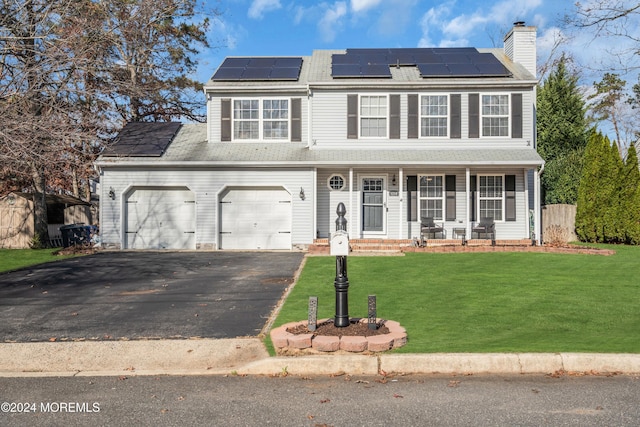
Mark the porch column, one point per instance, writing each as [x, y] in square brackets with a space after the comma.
[468, 203]
[536, 204]
[526, 200]
[351, 211]
[400, 201]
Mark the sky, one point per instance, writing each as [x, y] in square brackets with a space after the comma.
[296, 28]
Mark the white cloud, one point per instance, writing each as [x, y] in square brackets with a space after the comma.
[458, 29]
[259, 7]
[331, 22]
[362, 5]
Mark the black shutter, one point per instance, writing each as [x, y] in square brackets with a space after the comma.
[473, 186]
[412, 198]
[516, 115]
[455, 117]
[225, 120]
[450, 197]
[510, 194]
[474, 115]
[394, 117]
[352, 116]
[296, 122]
[413, 125]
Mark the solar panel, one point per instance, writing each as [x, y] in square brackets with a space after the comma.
[235, 62]
[288, 62]
[345, 59]
[493, 70]
[345, 70]
[284, 73]
[431, 62]
[142, 139]
[259, 68]
[228, 74]
[433, 70]
[375, 70]
[256, 73]
[463, 70]
[455, 58]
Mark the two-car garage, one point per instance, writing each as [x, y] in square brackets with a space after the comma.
[248, 218]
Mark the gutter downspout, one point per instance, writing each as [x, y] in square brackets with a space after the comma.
[538, 211]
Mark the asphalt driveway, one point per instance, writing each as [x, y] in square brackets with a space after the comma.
[145, 295]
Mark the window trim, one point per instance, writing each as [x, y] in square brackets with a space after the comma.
[362, 116]
[333, 175]
[261, 120]
[442, 198]
[482, 116]
[447, 117]
[502, 197]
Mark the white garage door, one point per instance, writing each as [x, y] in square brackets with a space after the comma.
[255, 218]
[160, 218]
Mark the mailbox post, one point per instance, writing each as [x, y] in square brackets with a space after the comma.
[340, 248]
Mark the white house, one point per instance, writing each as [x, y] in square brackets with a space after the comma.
[394, 134]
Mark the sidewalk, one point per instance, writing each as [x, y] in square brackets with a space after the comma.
[248, 356]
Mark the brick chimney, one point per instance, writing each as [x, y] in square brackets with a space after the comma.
[520, 46]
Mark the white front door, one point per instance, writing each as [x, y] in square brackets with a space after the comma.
[374, 206]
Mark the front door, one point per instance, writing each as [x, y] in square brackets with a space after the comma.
[373, 205]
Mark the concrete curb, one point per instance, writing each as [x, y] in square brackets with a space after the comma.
[211, 356]
[448, 363]
[248, 356]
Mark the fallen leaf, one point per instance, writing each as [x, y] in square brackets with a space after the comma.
[325, 401]
[398, 396]
[53, 339]
[123, 377]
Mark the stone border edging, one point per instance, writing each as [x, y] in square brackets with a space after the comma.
[282, 339]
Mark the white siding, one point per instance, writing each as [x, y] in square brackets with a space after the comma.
[207, 185]
[329, 127]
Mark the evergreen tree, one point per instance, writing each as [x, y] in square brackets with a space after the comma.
[594, 193]
[629, 206]
[561, 134]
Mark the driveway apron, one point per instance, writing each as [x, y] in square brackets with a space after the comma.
[145, 295]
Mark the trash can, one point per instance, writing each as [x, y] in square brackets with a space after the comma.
[77, 234]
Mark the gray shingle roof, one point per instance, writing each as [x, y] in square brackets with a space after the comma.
[190, 148]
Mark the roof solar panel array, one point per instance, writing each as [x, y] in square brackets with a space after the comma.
[259, 68]
[431, 62]
[143, 139]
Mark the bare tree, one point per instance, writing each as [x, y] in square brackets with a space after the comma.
[38, 88]
[151, 46]
[616, 19]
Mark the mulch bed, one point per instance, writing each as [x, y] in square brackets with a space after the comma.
[355, 329]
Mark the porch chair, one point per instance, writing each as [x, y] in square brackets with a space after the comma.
[485, 229]
[428, 227]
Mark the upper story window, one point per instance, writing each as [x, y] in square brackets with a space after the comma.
[373, 116]
[261, 119]
[434, 116]
[431, 196]
[495, 115]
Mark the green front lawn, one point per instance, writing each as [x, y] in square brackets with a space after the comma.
[12, 259]
[489, 302]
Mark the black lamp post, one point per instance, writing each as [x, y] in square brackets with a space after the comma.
[342, 281]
